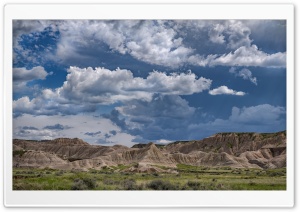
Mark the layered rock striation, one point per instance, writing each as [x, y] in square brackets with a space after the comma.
[237, 150]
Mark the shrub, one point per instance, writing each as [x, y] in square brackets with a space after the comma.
[93, 171]
[251, 183]
[40, 175]
[78, 184]
[129, 184]
[60, 173]
[29, 172]
[18, 153]
[220, 186]
[276, 173]
[161, 185]
[109, 182]
[84, 184]
[193, 185]
[90, 183]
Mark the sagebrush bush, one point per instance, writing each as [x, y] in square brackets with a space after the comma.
[193, 185]
[59, 173]
[129, 184]
[84, 184]
[109, 182]
[78, 184]
[161, 185]
[90, 183]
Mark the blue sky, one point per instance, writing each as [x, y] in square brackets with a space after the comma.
[135, 81]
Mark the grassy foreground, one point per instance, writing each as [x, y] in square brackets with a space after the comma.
[113, 178]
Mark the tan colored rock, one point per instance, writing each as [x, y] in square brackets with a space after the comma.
[238, 150]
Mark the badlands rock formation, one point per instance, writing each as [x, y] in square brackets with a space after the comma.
[237, 150]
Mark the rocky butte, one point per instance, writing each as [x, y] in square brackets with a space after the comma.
[236, 150]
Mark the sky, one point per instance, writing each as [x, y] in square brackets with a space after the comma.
[125, 82]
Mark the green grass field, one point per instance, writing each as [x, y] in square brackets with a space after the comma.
[113, 178]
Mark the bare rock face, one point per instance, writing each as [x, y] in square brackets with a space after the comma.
[69, 141]
[37, 159]
[238, 150]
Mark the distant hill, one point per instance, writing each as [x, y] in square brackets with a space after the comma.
[144, 145]
[237, 150]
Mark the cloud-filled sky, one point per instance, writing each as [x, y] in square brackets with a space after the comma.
[135, 81]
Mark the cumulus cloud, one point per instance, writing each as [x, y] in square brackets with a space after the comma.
[225, 90]
[171, 106]
[47, 105]
[163, 117]
[103, 86]
[149, 41]
[21, 27]
[215, 34]
[260, 114]
[21, 76]
[243, 56]
[259, 118]
[155, 42]
[245, 73]
[238, 34]
[231, 33]
[250, 56]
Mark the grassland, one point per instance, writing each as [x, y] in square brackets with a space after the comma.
[115, 178]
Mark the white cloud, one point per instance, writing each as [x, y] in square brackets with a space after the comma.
[250, 56]
[21, 27]
[87, 87]
[215, 34]
[225, 90]
[164, 141]
[49, 105]
[23, 105]
[259, 118]
[238, 34]
[263, 114]
[21, 76]
[246, 74]
[164, 43]
[149, 41]
[104, 86]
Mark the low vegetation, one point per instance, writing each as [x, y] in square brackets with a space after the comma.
[18, 153]
[115, 178]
